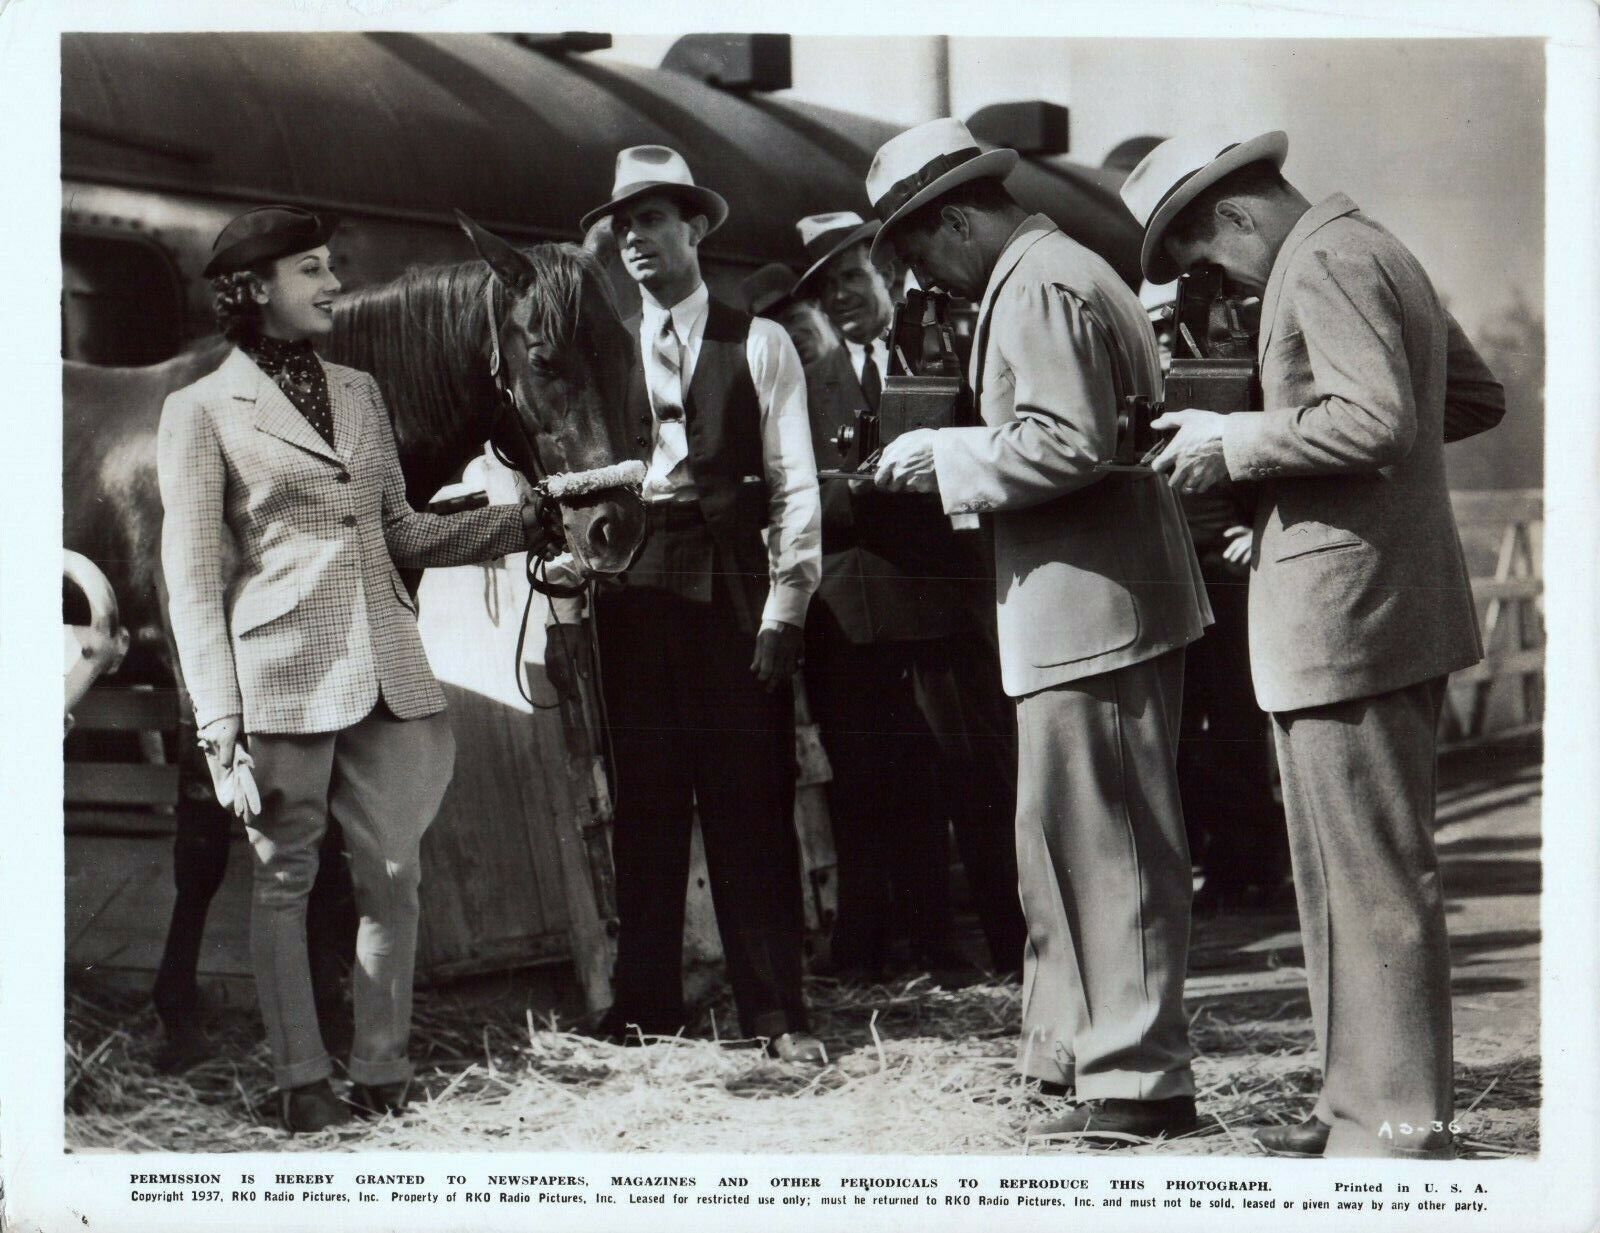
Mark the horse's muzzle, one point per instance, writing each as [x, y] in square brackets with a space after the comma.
[604, 529]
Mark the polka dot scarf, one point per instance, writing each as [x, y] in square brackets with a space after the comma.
[294, 367]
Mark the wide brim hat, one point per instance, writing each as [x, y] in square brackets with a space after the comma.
[265, 234]
[642, 170]
[1176, 172]
[825, 236]
[926, 162]
[768, 290]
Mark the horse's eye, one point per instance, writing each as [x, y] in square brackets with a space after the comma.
[540, 365]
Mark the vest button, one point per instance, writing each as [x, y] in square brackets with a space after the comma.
[641, 440]
[348, 520]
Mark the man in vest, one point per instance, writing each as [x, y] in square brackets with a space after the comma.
[902, 682]
[1098, 593]
[698, 645]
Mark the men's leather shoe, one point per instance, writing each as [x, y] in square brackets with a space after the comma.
[311, 1107]
[379, 1099]
[801, 1047]
[1307, 1138]
[1110, 1116]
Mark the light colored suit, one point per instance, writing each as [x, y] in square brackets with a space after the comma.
[1094, 571]
[1359, 606]
[315, 621]
[302, 637]
[1359, 584]
[1098, 592]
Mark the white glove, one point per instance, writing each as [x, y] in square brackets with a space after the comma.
[236, 787]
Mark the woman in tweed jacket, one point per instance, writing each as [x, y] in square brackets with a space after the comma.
[308, 642]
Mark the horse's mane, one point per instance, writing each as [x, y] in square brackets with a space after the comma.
[425, 338]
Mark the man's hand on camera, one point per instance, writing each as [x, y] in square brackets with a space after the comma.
[1193, 459]
[906, 464]
[777, 653]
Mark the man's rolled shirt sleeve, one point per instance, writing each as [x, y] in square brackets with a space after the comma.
[794, 507]
[1060, 359]
[1366, 416]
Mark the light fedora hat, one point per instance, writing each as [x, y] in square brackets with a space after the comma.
[658, 169]
[825, 236]
[1174, 174]
[925, 162]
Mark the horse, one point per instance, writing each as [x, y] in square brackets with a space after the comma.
[521, 348]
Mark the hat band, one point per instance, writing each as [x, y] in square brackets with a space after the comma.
[902, 191]
[821, 245]
[1173, 191]
[664, 186]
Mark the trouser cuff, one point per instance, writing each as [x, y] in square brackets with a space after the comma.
[394, 1070]
[301, 1073]
[1134, 1085]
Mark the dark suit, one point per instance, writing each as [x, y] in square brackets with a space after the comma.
[692, 730]
[905, 687]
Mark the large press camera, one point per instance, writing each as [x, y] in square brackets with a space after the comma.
[1213, 366]
[924, 386]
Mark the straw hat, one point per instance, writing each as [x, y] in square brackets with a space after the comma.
[926, 162]
[825, 236]
[658, 169]
[1174, 174]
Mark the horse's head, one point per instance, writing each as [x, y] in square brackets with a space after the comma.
[562, 360]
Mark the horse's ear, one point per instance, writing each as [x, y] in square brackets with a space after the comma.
[507, 264]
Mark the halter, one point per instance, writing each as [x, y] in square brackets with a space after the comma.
[554, 487]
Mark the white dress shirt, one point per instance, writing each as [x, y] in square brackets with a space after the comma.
[794, 510]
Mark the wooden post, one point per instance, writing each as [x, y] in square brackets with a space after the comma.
[583, 811]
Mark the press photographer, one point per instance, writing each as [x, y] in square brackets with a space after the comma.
[1098, 592]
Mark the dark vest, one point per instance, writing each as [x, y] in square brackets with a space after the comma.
[722, 420]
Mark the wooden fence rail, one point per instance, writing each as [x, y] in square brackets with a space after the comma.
[1504, 694]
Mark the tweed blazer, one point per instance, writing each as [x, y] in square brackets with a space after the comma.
[312, 622]
[892, 569]
[1094, 571]
[1358, 583]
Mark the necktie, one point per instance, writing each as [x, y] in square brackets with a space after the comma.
[664, 378]
[666, 374]
[871, 381]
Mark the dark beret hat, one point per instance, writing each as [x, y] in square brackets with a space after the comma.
[265, 234]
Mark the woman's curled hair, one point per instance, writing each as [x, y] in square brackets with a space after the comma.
[233, 300]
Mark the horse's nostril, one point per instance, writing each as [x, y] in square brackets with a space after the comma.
[600, 532]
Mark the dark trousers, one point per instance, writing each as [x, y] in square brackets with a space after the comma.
[1235, 827]
[974, 726]
[919, 736]
[693, 730]
[890, 826]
